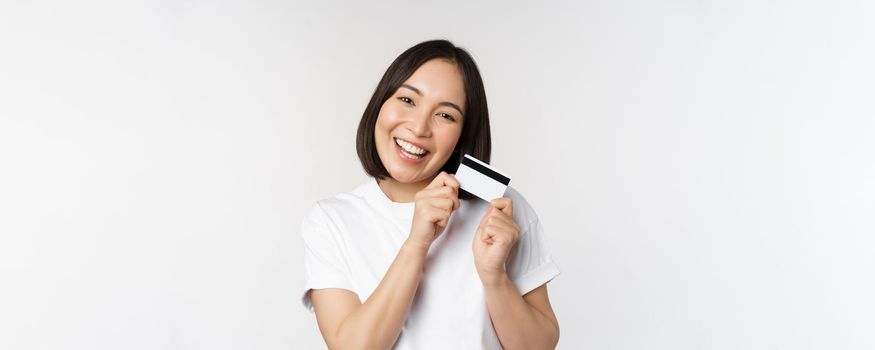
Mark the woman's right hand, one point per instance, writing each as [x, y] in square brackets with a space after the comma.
[433, 207]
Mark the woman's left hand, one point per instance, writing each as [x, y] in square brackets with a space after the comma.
[494, 238]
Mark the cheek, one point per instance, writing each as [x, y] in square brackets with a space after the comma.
[390, 112]
[448, 137]
[385, 120]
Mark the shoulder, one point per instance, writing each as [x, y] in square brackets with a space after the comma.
[341, 202]
[329, 210]
[523, 212]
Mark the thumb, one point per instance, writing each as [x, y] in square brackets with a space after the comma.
[504, 204]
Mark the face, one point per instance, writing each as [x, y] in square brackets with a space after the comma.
[419, 125]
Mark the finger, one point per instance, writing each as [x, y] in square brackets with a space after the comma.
[447, 192]
[486, 234]
[496, 235]
[503, 238]
[438, 181]
[504, 204]
[448, 204]
[483, 220]
[500, 217]
[501, 233]
[450, 180]
[511, 229]
[444, 179]
[454, 203]
[441, 203]
[436, 214]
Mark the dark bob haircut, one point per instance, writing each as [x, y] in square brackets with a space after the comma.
[475, 138]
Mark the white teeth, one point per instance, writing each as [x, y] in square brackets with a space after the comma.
[409, 148]
[409, 156]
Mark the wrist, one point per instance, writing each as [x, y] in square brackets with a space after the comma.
[492, 279]
[414, 246]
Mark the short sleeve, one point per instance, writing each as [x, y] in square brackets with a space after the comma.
[530, 264]
[325, 265]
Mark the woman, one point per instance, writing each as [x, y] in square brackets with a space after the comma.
[405, 260]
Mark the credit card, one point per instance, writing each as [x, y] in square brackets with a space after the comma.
[480, 179]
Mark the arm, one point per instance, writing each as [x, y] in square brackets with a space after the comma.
[521, 322]
[346, 323]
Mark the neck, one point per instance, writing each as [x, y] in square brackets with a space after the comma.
[400, 192]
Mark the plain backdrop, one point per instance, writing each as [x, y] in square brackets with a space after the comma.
[705, 170]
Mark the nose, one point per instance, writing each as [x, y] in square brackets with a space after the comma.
[419, 124]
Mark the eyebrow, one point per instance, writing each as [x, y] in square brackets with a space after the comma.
[444, 103]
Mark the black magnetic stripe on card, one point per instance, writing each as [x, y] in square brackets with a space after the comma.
[485, 171]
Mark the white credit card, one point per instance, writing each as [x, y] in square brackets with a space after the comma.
[480, 179]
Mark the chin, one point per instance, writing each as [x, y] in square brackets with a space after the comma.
[404, 177]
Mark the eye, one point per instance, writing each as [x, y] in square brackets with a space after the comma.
[406, 99]
[447, 116]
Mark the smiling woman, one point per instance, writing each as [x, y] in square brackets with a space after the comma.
[433, 79]
[381, 273]
[417, 128]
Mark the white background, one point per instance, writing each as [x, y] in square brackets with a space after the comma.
[705, 170]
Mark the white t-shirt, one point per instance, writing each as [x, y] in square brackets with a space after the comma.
[350, 240]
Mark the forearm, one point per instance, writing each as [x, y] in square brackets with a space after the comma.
[517, 324]
[377, 323]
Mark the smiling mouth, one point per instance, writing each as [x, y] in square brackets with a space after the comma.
[409, 150]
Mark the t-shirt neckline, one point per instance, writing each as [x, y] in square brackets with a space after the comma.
[375, 186]
[401, 211]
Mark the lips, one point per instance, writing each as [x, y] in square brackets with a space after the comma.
[414, 144]
[408, 158]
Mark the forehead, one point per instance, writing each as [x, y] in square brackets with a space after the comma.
[439, 79]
